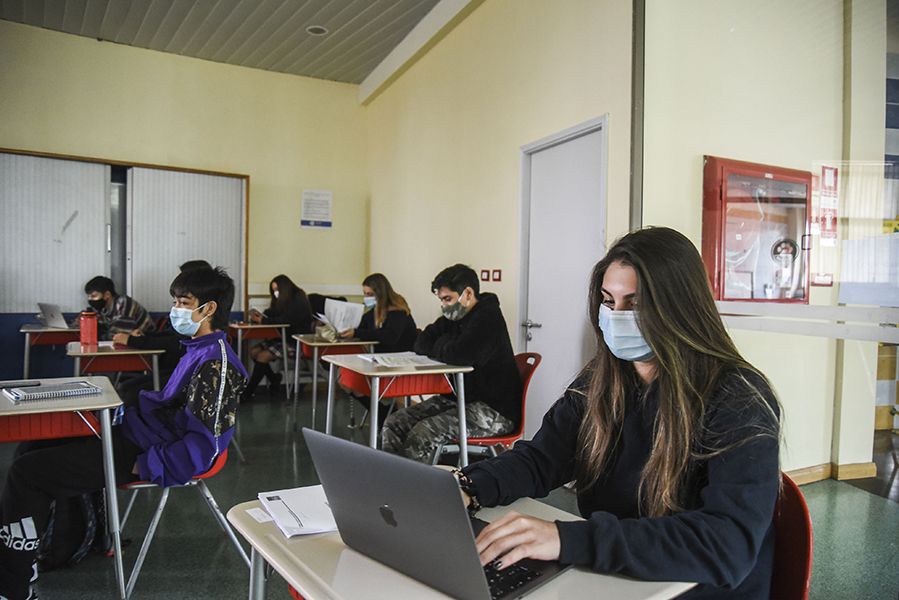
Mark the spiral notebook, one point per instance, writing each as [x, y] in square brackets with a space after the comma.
[53, 390]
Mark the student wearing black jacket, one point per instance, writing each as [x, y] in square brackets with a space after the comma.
[289, 304]
[670, 435]
[388, 319]
[472, 331]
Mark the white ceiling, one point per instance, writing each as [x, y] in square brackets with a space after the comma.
[261, 34]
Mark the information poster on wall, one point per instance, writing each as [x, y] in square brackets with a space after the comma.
[316, 209]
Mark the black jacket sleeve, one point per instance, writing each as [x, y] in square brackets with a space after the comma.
[472, 341]
[424, 343]
[533, 468]
[391, 330]
[164, 340]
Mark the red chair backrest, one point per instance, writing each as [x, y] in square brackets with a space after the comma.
[793, 541]
[217, 465]
[527, 363]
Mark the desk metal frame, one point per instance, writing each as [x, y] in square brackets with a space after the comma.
[376, 372]
[320, 348]
[116, 359]
[39, 335]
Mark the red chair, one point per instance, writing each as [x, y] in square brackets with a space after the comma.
[793, 542]
[196, 482]
[527, 363]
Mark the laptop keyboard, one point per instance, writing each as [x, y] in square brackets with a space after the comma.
[507, 580]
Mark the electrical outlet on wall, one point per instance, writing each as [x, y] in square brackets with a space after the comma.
[485, 274]
[497, 274]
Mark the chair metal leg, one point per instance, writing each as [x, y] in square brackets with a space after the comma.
[217, 513]
[128, 509]
[240, 456]
[151, 531]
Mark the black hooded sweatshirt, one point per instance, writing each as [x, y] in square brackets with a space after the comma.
[479, 339]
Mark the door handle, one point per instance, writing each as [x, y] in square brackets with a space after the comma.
[531, 325]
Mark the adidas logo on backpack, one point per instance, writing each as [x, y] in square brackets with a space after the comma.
[20, 536]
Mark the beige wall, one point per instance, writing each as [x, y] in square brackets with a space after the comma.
[72, 95]
[444, 139]
[762, 83]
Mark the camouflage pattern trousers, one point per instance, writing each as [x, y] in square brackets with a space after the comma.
[416, 432]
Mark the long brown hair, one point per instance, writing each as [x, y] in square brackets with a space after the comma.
[387, 298]
[693, 352]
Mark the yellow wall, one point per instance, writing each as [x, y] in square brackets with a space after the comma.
[762, 83]
[66, 94]
[444, 139]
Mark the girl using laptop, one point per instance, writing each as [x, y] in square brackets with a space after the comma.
[669, 433]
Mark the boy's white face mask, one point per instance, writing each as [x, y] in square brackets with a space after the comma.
[622, 334]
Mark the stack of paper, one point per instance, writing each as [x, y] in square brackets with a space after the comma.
[342, 315]
[400, 359]
[299, 511]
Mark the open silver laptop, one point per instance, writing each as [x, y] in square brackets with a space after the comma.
[411, 517]
[51, 316]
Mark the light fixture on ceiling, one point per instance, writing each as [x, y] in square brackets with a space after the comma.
[317, 30]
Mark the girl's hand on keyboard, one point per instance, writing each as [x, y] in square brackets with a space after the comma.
[515, 536]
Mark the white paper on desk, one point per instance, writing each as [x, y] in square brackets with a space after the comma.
[343, 315]
[299, 511]
[403, 359]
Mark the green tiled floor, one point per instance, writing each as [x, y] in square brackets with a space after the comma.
[856, 533]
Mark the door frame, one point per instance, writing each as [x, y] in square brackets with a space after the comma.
[600, 123]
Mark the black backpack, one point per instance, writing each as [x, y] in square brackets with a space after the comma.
[77, 525]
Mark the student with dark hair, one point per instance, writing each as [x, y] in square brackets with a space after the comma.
[289, 304]
[670, 435]
[164, 339]
[472, 331]
[169, 437]
[116, 313]
[194, 264]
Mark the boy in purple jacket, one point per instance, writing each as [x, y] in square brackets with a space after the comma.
[168, 438]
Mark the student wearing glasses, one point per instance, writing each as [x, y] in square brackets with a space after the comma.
[671, 437]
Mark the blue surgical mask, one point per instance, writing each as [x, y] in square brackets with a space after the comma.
[182, 320]
[622, 334]
[369, 301]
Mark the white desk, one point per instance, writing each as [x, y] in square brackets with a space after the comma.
[323, 567]
[263, 331]
[101, 403]
[376, 372]
[319, 348]
[40, 335]
[114, 359]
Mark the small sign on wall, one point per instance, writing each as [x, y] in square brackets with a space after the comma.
[316, 209]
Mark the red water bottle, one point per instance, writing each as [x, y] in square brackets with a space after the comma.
[88, 326]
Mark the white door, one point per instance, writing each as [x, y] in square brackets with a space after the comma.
[564, 203]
